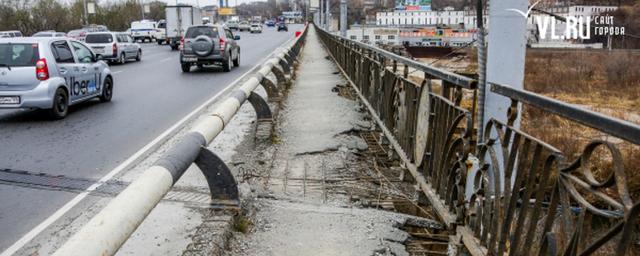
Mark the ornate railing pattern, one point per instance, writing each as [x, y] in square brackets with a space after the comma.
[526, 197]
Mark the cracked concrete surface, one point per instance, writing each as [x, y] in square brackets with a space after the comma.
[298, 207]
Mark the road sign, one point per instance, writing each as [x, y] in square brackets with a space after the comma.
[314, 4]
[91, 8]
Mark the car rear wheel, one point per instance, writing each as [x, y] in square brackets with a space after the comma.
[139, 56]
[236, 61]
[107, 90]
[185, 67]
[226, 66]
[123, 58]
[60, 106]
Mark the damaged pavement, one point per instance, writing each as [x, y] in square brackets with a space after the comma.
[322, 183]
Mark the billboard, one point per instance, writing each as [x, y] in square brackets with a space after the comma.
[413, 5]
[225, 11]
[292, 15]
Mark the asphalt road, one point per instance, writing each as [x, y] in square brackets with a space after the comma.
[149, 97]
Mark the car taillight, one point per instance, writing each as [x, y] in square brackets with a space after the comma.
[223, 44]
[114, 48]
[42, 71]
[182, 43]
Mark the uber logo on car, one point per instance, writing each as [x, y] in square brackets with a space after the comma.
[82, 87]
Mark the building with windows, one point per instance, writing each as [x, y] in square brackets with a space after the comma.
[426, 36]
[448, 17]
[374, 35]
[467, 18]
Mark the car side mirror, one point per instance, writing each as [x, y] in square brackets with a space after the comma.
[236, 37]
[97, 58]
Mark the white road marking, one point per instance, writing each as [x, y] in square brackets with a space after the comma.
[134, 159]
[166, 59]
[117, 72]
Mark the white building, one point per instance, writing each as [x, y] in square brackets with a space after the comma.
[374, 35]
[468, 18]
[427, 18]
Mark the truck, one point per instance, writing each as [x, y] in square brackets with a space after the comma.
[144, 30]
[179, 18]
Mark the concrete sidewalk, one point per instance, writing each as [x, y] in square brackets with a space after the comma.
[306, 181]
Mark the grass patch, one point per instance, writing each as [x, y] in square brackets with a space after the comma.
[242, 224]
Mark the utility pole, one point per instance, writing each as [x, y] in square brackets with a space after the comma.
[327, 12]
[343, 18]
[321, 15]
[142, 8]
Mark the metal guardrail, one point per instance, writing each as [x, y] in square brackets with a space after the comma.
[525, 197]
[105, 233]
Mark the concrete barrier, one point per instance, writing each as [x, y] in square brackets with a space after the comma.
[105, 233]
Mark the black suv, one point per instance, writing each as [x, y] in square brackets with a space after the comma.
[282, 26]
[209, 44]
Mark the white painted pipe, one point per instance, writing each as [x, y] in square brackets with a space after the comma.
[105, 233]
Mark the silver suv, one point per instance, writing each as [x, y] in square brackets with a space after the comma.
[206, 45]
[51, 73]
[114, 46]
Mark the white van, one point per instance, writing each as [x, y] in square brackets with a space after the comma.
[143, 30]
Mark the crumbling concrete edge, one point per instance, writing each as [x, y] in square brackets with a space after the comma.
[222, 227]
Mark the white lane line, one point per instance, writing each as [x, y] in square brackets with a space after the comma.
[117, 72]
[166, 59]
[134, 159]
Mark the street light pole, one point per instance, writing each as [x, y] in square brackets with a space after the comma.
[327, 12]
[86, 15]
[343, 18]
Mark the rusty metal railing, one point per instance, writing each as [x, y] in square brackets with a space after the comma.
[514, 193]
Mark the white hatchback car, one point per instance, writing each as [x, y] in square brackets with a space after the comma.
[51, 73]
[256, 28]
[114, 46]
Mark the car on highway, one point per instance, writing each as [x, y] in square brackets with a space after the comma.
[49, 33]
[270, 23]
[244, 26]
[209, 44]
[282, 27]
[161, 32]
[51, 73]
[12, 33]
[114, 46]
[78, 34]
[233, 24]
[95, 28]
[256, 28]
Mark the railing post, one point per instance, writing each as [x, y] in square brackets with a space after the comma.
[505, 61]
[506, 54]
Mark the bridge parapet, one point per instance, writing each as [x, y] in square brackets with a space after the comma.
[513, 193]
